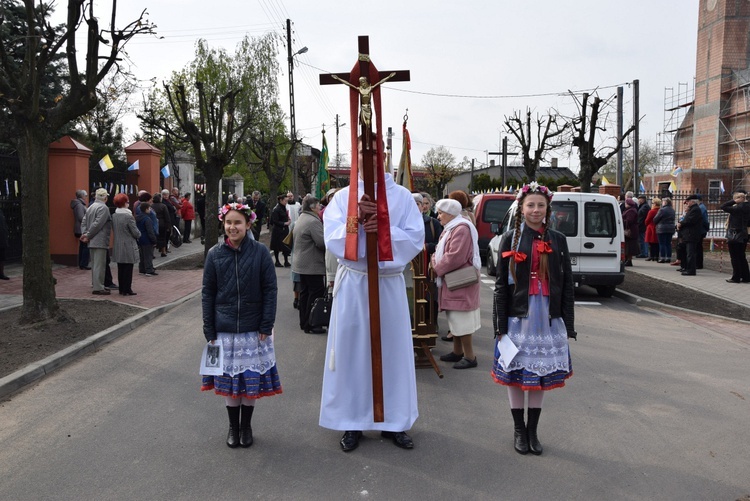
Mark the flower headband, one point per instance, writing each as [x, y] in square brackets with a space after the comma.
[245, 209]
[534, 187]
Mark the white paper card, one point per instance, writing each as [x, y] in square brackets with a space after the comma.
[212, 360]
[508, 351]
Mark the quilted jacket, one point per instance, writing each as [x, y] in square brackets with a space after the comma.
[239, 289]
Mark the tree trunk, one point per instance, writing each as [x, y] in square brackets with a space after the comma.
[213, 178]
[39, 302]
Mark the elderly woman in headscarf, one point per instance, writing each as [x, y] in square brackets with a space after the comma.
[458, 248]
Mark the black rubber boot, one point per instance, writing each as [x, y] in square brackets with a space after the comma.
[534, 446]
[520, 438]
[246, 431]
[233, 437]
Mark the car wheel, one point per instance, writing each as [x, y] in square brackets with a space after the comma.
[605, 290]
[491, 269]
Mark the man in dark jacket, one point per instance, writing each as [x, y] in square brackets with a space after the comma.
[691, 229]
[259, 207]
[78, 204]
[643, 209]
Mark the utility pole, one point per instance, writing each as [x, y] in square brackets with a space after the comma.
[619, 140]
[290, 58]
[636, 135]
[503, 160]
[338, 157]
[291, 105]
[471, 181]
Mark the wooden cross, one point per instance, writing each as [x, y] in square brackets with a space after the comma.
[371, 238]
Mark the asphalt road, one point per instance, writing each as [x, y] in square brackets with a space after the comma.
[658, 408]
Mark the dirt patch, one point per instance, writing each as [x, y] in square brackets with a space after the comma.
[685, 297]
[22, 345]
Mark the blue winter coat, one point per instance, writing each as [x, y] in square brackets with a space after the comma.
[146, 223]
[239, 289]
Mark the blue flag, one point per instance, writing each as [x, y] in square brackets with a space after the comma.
[165, 171]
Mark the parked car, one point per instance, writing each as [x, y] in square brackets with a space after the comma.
[592, 225]
[489, 208]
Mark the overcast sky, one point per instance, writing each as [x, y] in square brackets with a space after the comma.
[489, 52]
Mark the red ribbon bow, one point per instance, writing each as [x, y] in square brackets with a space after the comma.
[518, 257]
[543, 247]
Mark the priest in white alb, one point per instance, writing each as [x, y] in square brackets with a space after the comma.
[347, 396]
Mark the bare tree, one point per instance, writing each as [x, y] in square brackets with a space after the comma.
[38, 122]
[549, 137]
[585, 127]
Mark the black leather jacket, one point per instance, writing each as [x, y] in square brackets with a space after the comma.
[513, 300]
[239, 289]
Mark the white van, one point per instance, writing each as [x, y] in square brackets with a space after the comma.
[592, 223]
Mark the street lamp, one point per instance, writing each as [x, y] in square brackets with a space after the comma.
[295, 173]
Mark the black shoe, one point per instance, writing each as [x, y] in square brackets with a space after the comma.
[3, 277]
[287, 264]
[85, 267]
[520, 436]
[400, 438]
[628, 263]
[732, 281]
[687, 274]
[103, 292]
[279, 265]
[233, 437]
[129, 293]
[465, 363]
[451, 357]
[350, 440]
[295, 304]
[111, 286]
[151, 274]
[246, 429]
[534, 446]
[680, 270]
[315, 330]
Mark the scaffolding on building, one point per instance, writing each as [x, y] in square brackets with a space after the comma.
[734, 126]
[674, 144]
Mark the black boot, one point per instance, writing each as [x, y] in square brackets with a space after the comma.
[520, 439]
[534, 446]
[233, 437]
[2, 273]
[246, 431]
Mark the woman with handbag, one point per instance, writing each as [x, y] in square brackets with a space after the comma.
[308, 261]
[279, 222]
[457, 255]
[533, 308]
[739, 217]
[239, 312]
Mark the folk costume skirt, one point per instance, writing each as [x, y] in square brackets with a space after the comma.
[543, 359]
[249, 367]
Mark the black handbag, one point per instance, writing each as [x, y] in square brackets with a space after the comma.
[175, 237]
[736, 236]
[320, 313]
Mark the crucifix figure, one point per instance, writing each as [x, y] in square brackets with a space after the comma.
[364, 89]
[370, 385]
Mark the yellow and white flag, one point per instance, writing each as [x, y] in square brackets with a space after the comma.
[106, 164]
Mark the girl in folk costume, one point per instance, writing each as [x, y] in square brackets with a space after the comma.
[239, 311]
[533, 306]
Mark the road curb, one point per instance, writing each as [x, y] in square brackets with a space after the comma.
[637, 300]
[36, 371]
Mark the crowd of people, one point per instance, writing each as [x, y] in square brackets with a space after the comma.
[136, 234]
[322, 241]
